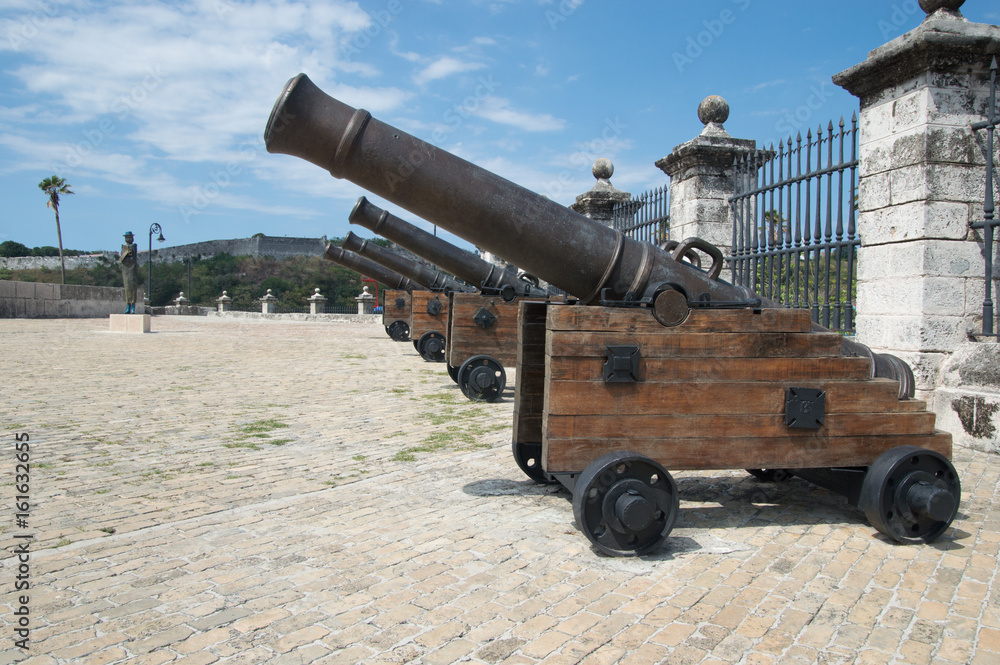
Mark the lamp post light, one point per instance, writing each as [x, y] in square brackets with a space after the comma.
[154, 228]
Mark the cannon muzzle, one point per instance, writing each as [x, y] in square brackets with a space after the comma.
[418, 272]
[464, 265]
[566, 249]
[369, 268]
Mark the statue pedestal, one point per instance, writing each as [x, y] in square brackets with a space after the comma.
[130, 323]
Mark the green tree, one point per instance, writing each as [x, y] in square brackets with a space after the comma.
[9, 248]
[53, 187]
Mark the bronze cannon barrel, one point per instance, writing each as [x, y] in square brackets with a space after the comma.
[459, 262]
[369, 268]
[548, 240]
[418, 272]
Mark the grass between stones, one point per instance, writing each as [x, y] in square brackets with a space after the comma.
[258, 429]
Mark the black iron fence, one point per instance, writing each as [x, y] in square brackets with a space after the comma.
[988, 223]
[645, 217]
[795, 236]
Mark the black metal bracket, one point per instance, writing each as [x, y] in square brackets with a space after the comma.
[507, 292]
[805, 408]
[704, 301]
[434, 307]
[400, 303]
[484, 318]
[621, 364]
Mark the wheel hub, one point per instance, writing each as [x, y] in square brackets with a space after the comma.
[481, 378]
[633, 511]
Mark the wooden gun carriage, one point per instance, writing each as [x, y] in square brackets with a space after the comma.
[396, 314]
[395, 318]
[658, 365]
[428, 324]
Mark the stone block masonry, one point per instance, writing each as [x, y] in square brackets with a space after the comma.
[33, 300]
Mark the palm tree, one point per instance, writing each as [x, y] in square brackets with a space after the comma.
[53, 187]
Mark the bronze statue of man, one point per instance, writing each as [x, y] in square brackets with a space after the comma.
[129, 260]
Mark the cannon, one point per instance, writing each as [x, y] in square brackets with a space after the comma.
[396, 306]
[658, 365]
[482, 328]
[428, 309]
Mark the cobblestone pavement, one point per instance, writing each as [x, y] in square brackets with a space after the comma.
[252, 491]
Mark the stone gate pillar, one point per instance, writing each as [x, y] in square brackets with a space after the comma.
[701, 178]
[920, 266]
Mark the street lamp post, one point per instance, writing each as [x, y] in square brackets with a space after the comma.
[154, 228]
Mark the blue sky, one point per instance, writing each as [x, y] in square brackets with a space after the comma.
[154, 111]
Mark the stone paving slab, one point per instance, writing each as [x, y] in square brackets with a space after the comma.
[258, 492]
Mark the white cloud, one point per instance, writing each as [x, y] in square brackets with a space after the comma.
[443, 67]
[498, 110]
[127, 92]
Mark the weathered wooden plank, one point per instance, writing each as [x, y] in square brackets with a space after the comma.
[461, 348]
[527, 427]
[735, 426]
[696, 345]
[393, 312]
[465, 307]
[423, 322]
[568, 368]
[738, 397]
[573, 455]
[529, 390]
[640, 319]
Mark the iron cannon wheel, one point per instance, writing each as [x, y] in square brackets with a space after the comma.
[529, 458]
[625, 503]
[399, 330]
[771, 475]
[910, 494]
[482, 379]
[431, 346]
[416, 345]
[453, 373]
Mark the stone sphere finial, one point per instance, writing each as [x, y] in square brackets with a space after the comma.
[931, 6]
[603, 169]
[713, 109]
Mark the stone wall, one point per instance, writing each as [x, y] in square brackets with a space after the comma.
[33, 300]
[52, 262]
[257, 247]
